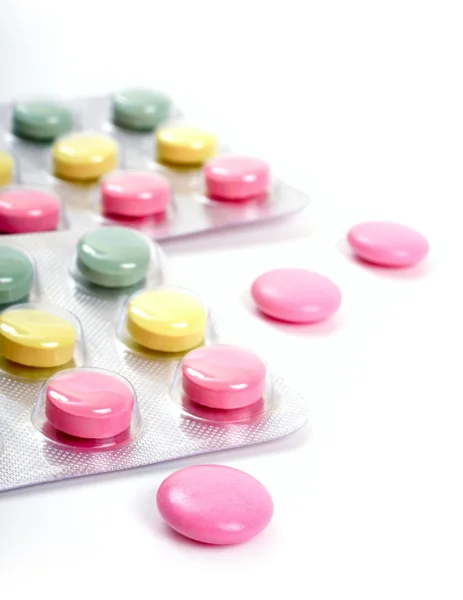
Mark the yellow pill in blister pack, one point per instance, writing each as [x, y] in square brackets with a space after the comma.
[6, 168]
[84, 157]
[36, 338]
[166, 320]
[184, 145]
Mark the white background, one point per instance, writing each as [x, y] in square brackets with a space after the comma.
[360, 103]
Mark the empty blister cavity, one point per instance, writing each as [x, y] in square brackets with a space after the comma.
[41, 120]
[140, 109]
[116, 259]
[36, 340]
[223, 383]
[165, 321]
[18, 277]
[25, 209]
[88, 409]
[84, 156]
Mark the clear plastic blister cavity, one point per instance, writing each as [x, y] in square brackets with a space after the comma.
[223, 383]
[165, 322]
[115, 261]
[31, 209]
[39, 339]
[88, 409]
[19, 281]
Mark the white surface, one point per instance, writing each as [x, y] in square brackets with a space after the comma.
[361, 104]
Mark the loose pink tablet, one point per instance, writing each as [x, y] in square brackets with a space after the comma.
[89, 404]
[215, 504]
[296, 295]
[388, 244]
[232, 177]
[28, 210]
[222, 376]
[134, 194]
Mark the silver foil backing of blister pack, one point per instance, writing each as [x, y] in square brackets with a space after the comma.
[191, 211]
[27, 457]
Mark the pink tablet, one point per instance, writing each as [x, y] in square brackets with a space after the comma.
[296, 295]
[134, 194]
[225, 377]
[27, 210]
[215, 504]
[388, 244]
[232, 177]
[89, 404]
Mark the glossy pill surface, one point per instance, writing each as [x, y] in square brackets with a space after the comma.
[89, 404]
[84, 157]
[41, 121]
[6, 168]
[214, 504]
[388, 244]
[166, 321]
[224, 377]
[185, 145]
[36, 338]
[27, 210]
[234, 177]
[140, 109]
[134, 194]
[113, 257]
[16, 275]
[296, 295]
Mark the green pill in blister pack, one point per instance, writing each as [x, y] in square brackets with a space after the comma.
[16, 276]
[140, 109]
[41, 121]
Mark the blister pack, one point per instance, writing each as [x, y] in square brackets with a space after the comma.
[107, 363]
[129, 159]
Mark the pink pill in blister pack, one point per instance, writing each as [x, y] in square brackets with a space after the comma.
[135, 194]
[234, 177]
[89, 404]
[223, 377]
[296, 295]
[388, 244]
[214, 504]
[27, 210]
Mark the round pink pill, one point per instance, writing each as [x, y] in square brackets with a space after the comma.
[388, 244]
[215, 504]
[296, 295]
[135, 194]
[26, 210]
[236, 177]
[89, 404]
[225, 377]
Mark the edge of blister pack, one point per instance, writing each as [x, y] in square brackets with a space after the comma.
[190, 213]
[167, 433]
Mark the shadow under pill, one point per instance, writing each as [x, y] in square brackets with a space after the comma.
[328, 327]
[32, 373]
[414, 272]
[87, 444]
[213, 416]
